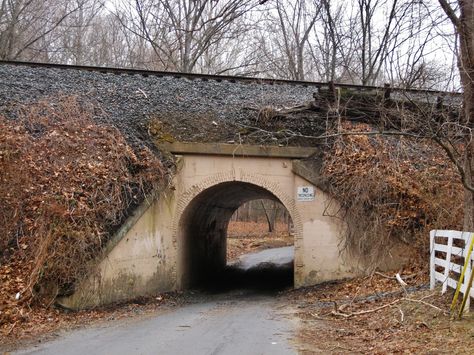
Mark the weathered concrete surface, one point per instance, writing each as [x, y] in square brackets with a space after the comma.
[181, 238]
[317, 235]
[236, 323]
[238, 150]
[309, 170]
[140, 260]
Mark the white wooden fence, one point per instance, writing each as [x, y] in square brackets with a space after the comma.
[451, 267]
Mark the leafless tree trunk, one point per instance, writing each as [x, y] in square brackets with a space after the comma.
[327, 45]
[78, 42]
[375, 42]
[270, 209]
[463, 21]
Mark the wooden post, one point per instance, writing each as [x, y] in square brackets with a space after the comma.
[448, 264]
[432, 260]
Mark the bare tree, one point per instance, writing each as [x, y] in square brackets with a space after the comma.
[284, 37]
[77, 40]
[418, 57]
[295, 28]
[326, 46]
[368, 41]
[378, 26]
[181, 32]
[27, 27]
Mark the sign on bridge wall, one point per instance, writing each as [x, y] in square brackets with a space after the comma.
[305, 193]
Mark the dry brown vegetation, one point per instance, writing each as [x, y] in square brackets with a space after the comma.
[373, 315]
[66, 183]
[392, 190]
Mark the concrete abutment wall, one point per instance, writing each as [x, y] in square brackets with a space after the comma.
[174, 241]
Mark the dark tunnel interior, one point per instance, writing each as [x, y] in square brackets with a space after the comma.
[203, 243]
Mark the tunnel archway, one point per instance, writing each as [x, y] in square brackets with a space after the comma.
[153, 252]
[202, 230]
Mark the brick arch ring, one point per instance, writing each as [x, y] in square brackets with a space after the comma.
[254, 179]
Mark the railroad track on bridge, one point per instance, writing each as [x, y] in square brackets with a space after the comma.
[228, 78]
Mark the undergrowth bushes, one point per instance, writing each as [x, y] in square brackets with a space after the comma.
[66, 184]
[392, 189]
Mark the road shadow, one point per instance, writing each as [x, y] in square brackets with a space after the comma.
[262, 278]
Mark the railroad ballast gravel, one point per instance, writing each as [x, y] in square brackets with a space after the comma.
[192, 110]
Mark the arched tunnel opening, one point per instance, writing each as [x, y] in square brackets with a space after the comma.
[203, 259]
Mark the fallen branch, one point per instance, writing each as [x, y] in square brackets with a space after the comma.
[402, 315]
[425, 303]
[336, 313]
[402, 283]
[407, 277]
[317, 316]
[143, 93]
[11, 329]
[428, 296]
[400, 280]
[348, 315]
